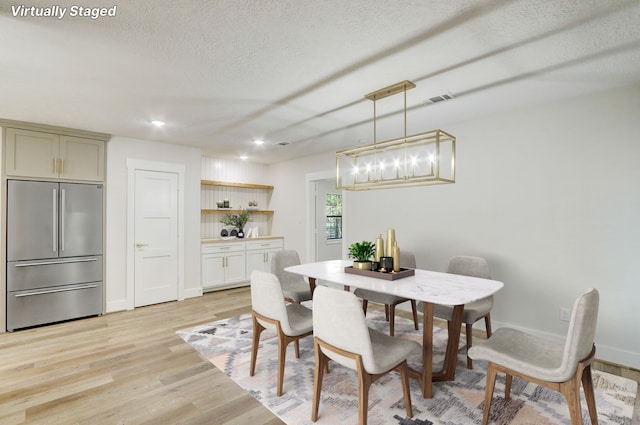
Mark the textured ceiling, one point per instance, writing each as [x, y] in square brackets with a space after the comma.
[224, 73]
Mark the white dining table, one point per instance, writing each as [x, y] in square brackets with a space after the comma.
[427, 286]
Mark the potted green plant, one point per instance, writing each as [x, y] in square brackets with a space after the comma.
[362, 252]
[237, 221]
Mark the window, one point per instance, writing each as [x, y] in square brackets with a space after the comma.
[334, 216]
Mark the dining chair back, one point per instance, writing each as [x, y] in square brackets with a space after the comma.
[407, 260]
[294, 287]
[559, 366]
[356, 346]
[290, 322]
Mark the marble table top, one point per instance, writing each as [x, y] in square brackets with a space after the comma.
[425, 285]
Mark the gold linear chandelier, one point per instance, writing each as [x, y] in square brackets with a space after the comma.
[421, 159]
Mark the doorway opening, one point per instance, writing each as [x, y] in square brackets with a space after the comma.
[326, 226]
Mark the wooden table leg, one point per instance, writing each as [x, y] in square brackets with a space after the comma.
[448, 371]
[426, 377]
[312, 284]
[427, 351]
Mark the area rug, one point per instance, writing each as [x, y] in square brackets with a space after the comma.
[227, 344]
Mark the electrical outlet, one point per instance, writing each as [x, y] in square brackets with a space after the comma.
[565, 314]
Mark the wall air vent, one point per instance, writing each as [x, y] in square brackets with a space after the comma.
[440, 98]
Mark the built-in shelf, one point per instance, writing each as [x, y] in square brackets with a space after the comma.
[241, 197]
[227, 211]
[229, 184]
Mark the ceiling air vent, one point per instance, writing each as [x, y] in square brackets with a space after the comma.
[440, 98]
[283, 143]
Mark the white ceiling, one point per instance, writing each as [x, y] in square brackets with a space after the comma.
[223, 73]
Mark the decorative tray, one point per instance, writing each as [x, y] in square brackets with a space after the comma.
[381, 275]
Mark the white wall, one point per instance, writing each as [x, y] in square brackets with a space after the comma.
[119, 149]
[289, 198]
[549, 195]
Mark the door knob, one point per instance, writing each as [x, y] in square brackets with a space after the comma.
[140, 245]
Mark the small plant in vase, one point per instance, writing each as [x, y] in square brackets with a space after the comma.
[362, 252]
[237, 221]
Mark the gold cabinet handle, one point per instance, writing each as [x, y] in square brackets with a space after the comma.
[55, 165]
[140, 245]
[61, 165]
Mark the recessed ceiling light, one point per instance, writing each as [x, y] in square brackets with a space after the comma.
[259, 142]
[244, 157]
[158, 123]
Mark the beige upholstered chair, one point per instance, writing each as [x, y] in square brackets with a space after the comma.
[355, 346]
[270, 311]
[481, 309]
[294, 287]
[407, 260]
[559, 366]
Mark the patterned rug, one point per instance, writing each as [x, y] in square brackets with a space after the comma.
[227, 344]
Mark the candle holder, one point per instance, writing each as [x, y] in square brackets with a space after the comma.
[386, 264]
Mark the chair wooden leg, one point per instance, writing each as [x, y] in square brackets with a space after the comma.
[297, 346]
[282, 354]
[571, 390]
[587, 384]
[365, 303]
[255, 341]
[363, 395]
[404, 376]
[321, 364]
[469, 327]
[487, 324]
[414, 309]
[386, 312]
[488, 395]
[507, 386]
[392, 319]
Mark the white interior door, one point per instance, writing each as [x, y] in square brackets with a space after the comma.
[156, 237]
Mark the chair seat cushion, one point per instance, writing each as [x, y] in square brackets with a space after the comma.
[524, 353]
[472, 311]
[390, 351]
[378, 297]
[300, 319]
[296, 294]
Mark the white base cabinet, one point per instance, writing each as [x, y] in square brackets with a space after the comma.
[222, 264]
[259, 255]
[229, 264]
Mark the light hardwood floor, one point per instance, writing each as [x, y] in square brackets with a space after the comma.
[126, 368]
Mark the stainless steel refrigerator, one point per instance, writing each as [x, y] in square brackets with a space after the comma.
[54, 252]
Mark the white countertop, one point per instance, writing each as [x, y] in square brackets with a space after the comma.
[220, 240]
[425, 285]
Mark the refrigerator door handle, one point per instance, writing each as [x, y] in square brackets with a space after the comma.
[62, 219]
[52, 291]
[48, 263]
[55, 221]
